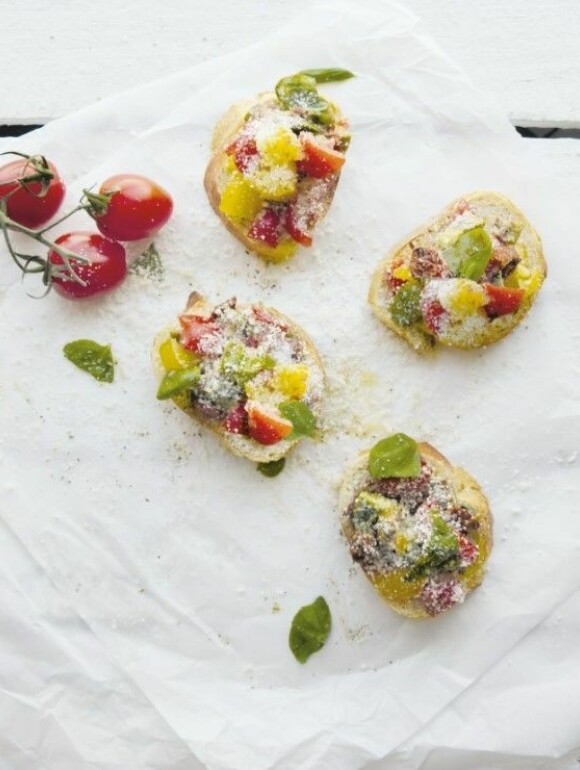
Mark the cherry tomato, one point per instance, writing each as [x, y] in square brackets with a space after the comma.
[298, 225]
[138, 208]
[266, 227]
[30, 206]
[107, 266]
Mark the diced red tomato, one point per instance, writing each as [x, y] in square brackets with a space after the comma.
[196, 331]
[263, 315]
[298, 230]
[319, 161]
[237, 420]
[468, 551]
[433, 314]
[502, 300]
[266, 426]
[266, 227]
[244, 150]
[439, 596]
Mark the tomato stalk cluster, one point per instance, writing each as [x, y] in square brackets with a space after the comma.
[78, 264]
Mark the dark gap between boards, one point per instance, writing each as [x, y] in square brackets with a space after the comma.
[527, 132]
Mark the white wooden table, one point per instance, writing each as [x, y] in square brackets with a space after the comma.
[58, 56]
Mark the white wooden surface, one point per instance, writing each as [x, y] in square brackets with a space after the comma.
[58, 55]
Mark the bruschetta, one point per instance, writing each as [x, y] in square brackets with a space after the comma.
[419, 527]
[247, 372]
[465, 280]
[275, 164]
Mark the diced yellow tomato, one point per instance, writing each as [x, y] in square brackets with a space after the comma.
[402, 273]
[396, 589]
[401, 543]
[285, 248]
[468, 298]
[281, 148]
[291, 381]
[278, 183]
[173, 356]
[240, 201]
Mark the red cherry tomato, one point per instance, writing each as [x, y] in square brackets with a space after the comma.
[137, 209]
[266, 227]
[298, 226]
[319, 161]
[107, 266]
[30, 206]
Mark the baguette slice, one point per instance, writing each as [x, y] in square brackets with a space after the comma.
[446, 306]
[466, 507]
[306, 356]
[276, 131]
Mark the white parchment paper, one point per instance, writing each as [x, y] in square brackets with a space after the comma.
[184, 562]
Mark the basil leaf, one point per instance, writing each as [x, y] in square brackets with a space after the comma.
[240, 366]
[299, 92]
[405, 308]
[177, 381]
[309, 630]
[328, 75]
[95, 359]
[301, 417]
[273, 468]
[395, 457]
[472, 252]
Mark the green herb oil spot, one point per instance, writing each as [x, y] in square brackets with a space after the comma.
[310, 629]
[96, 360]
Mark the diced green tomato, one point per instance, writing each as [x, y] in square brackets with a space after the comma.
[472, 252]
[178, 381]
[299, 92]
[502, 300]
[405, 308]
[397, 456]
[300, 415]
[441, 554]
[241, 367]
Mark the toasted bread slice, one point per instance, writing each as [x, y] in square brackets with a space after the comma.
[395, 553]
[297, 355]
[249, 181]
[450, 294]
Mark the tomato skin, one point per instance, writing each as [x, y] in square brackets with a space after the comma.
[300, 235]
[29, 207]
[266, 227]
[197, 332]
[138, 208]
[265, 425]
[106, 269]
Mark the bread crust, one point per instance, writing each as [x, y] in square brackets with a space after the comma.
[242, 446]
[225, 131]
[467, 492]
[497, 329]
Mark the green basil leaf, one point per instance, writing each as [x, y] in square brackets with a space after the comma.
[299, 92]
[301, 417]
[177, 381]
[395, 457]
[309, 630]
[95, 359]
[405, 308]
[472, 251]
[329, 75]
[273, 468]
